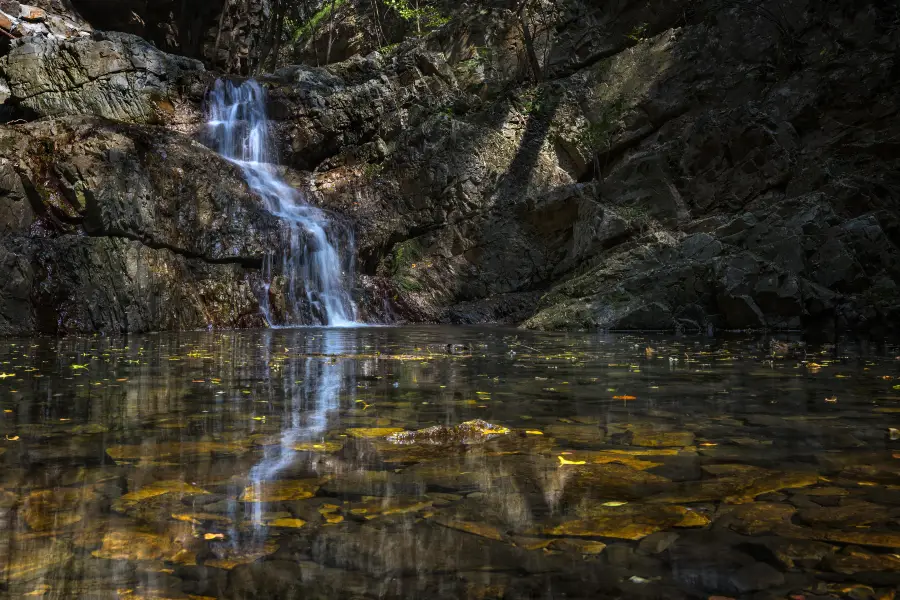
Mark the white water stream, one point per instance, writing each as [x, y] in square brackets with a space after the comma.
[315, 274]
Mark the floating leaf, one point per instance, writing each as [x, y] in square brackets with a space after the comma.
[564, 461]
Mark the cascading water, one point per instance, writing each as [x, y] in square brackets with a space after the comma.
[315, 273]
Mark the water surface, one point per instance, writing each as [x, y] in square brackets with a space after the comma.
[258, 465]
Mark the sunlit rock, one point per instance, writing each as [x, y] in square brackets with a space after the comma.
[470, 432]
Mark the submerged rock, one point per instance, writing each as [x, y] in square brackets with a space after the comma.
[630, 522]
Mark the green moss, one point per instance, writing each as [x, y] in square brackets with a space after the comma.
[312, 25]
[403, 263]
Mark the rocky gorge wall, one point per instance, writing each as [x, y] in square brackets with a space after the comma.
[678, 165]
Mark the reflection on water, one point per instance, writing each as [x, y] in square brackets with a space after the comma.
[281, 464]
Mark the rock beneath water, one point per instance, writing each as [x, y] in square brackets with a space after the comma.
[611, 481]
[854, 560]
[803, 553]
[630, 522]
[657, 542]
[470, 432]
[737, 489]
[281, 491]
[756, 577]
[662, 439]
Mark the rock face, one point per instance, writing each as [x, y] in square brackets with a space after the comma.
[680, 168]
[113, 75]
[112, 227]
[704, 164]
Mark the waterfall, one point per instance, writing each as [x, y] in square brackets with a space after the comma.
[313, 271]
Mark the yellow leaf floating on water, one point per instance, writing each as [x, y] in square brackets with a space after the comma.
[6, 375]
[213, 536]
[534, 432]
[14, 438]
[614, 503]
[563, 461]
[624, 397]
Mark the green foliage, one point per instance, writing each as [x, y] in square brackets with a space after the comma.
[426, 16]
[532, 102]
[637, 34]
[306, 29]
[372, 170]
[598, 135]
[404, 264]
[637, 217]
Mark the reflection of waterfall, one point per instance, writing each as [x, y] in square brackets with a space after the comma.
[315, 273]
[312, 392]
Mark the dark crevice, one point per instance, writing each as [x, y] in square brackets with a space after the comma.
[246, 262]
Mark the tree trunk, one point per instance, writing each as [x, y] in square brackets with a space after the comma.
[527, 36]
[330, 34]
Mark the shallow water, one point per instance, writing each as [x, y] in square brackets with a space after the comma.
[257, 465]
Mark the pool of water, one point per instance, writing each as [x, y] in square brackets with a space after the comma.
[267, 465]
